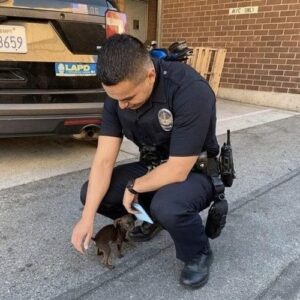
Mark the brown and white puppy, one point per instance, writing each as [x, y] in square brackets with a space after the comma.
[113, 233]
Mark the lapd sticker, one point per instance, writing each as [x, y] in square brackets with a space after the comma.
[165, 119]
[75, 69]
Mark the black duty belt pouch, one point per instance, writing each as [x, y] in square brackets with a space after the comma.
[216, 218]
[217, 213]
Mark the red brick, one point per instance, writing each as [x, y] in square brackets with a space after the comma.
[288, 13]
[271, 55]
[286, 67]
[267, 78]
[282, 79]
[287, 55]
[278, 20]
[291, 73]
[294, 91]
[278, 61]
[280, 90]
[260, 83]
[290, 84]
[293, 61]
[280, 7]
[272, 14]
[273, 2]
[296, 79]
[274, 83]
[272, 72]
[269, 67]
[265, 89]
[262, 72]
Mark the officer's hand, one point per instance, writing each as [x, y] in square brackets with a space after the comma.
[82, 234]
[128, 200]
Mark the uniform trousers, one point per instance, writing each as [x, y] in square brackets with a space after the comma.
[175, 206]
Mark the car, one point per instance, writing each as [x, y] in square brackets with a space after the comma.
[48, 72]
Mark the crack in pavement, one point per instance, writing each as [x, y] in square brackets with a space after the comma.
[288, 273]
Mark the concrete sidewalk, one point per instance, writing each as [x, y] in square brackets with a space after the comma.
[256, 257]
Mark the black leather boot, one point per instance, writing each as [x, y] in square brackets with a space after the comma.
[196, 272]
[144, 232]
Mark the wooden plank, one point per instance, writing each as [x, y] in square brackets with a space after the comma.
[192, 58]
[202, 54]
[217, 68]
[206, 62]
[199, 59]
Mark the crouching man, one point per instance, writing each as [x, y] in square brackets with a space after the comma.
[168, 110]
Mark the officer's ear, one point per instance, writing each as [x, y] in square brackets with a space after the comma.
[151, 75]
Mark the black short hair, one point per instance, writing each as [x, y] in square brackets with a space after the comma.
[121, 57]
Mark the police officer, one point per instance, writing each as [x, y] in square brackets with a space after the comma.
[168, 110]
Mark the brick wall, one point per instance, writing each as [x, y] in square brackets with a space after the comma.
[152, 20]
[263, 48]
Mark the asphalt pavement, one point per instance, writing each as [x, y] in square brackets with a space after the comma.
[256, 257]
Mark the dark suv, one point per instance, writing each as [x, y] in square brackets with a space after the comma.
[48, 74]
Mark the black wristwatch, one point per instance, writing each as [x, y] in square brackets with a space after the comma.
[130, 185]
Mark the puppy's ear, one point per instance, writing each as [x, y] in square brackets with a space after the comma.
[117, 222]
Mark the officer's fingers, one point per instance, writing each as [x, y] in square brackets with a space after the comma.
[128, 206]
[129, 209]
[77, 241]
[132, 211]
[78, 246]
[87, 241]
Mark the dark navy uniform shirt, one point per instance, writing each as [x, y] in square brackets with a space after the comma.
[187, 96]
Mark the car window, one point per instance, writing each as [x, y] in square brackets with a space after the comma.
[93, 2]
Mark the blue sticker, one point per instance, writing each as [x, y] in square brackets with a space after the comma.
[75, 69]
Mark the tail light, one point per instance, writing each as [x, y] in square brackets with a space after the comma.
[116, 22]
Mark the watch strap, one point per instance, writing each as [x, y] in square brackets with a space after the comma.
[130, 188]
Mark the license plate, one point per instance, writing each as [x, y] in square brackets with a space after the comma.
[13, 39]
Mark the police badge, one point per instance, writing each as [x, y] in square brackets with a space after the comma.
[165, 119]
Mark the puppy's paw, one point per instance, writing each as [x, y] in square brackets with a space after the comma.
[130, 245]
[110, 267]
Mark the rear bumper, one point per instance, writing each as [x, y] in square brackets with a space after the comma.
[47, 119]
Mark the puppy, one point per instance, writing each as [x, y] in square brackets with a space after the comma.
[113, 233]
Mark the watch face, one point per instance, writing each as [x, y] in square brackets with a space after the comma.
[130, 185]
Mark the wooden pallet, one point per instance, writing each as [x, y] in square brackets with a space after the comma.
[209, 63]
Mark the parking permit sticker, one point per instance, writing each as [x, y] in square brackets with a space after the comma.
[79, 8]
[75, 69]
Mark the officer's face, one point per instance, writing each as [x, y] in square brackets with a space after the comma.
[131, 94]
